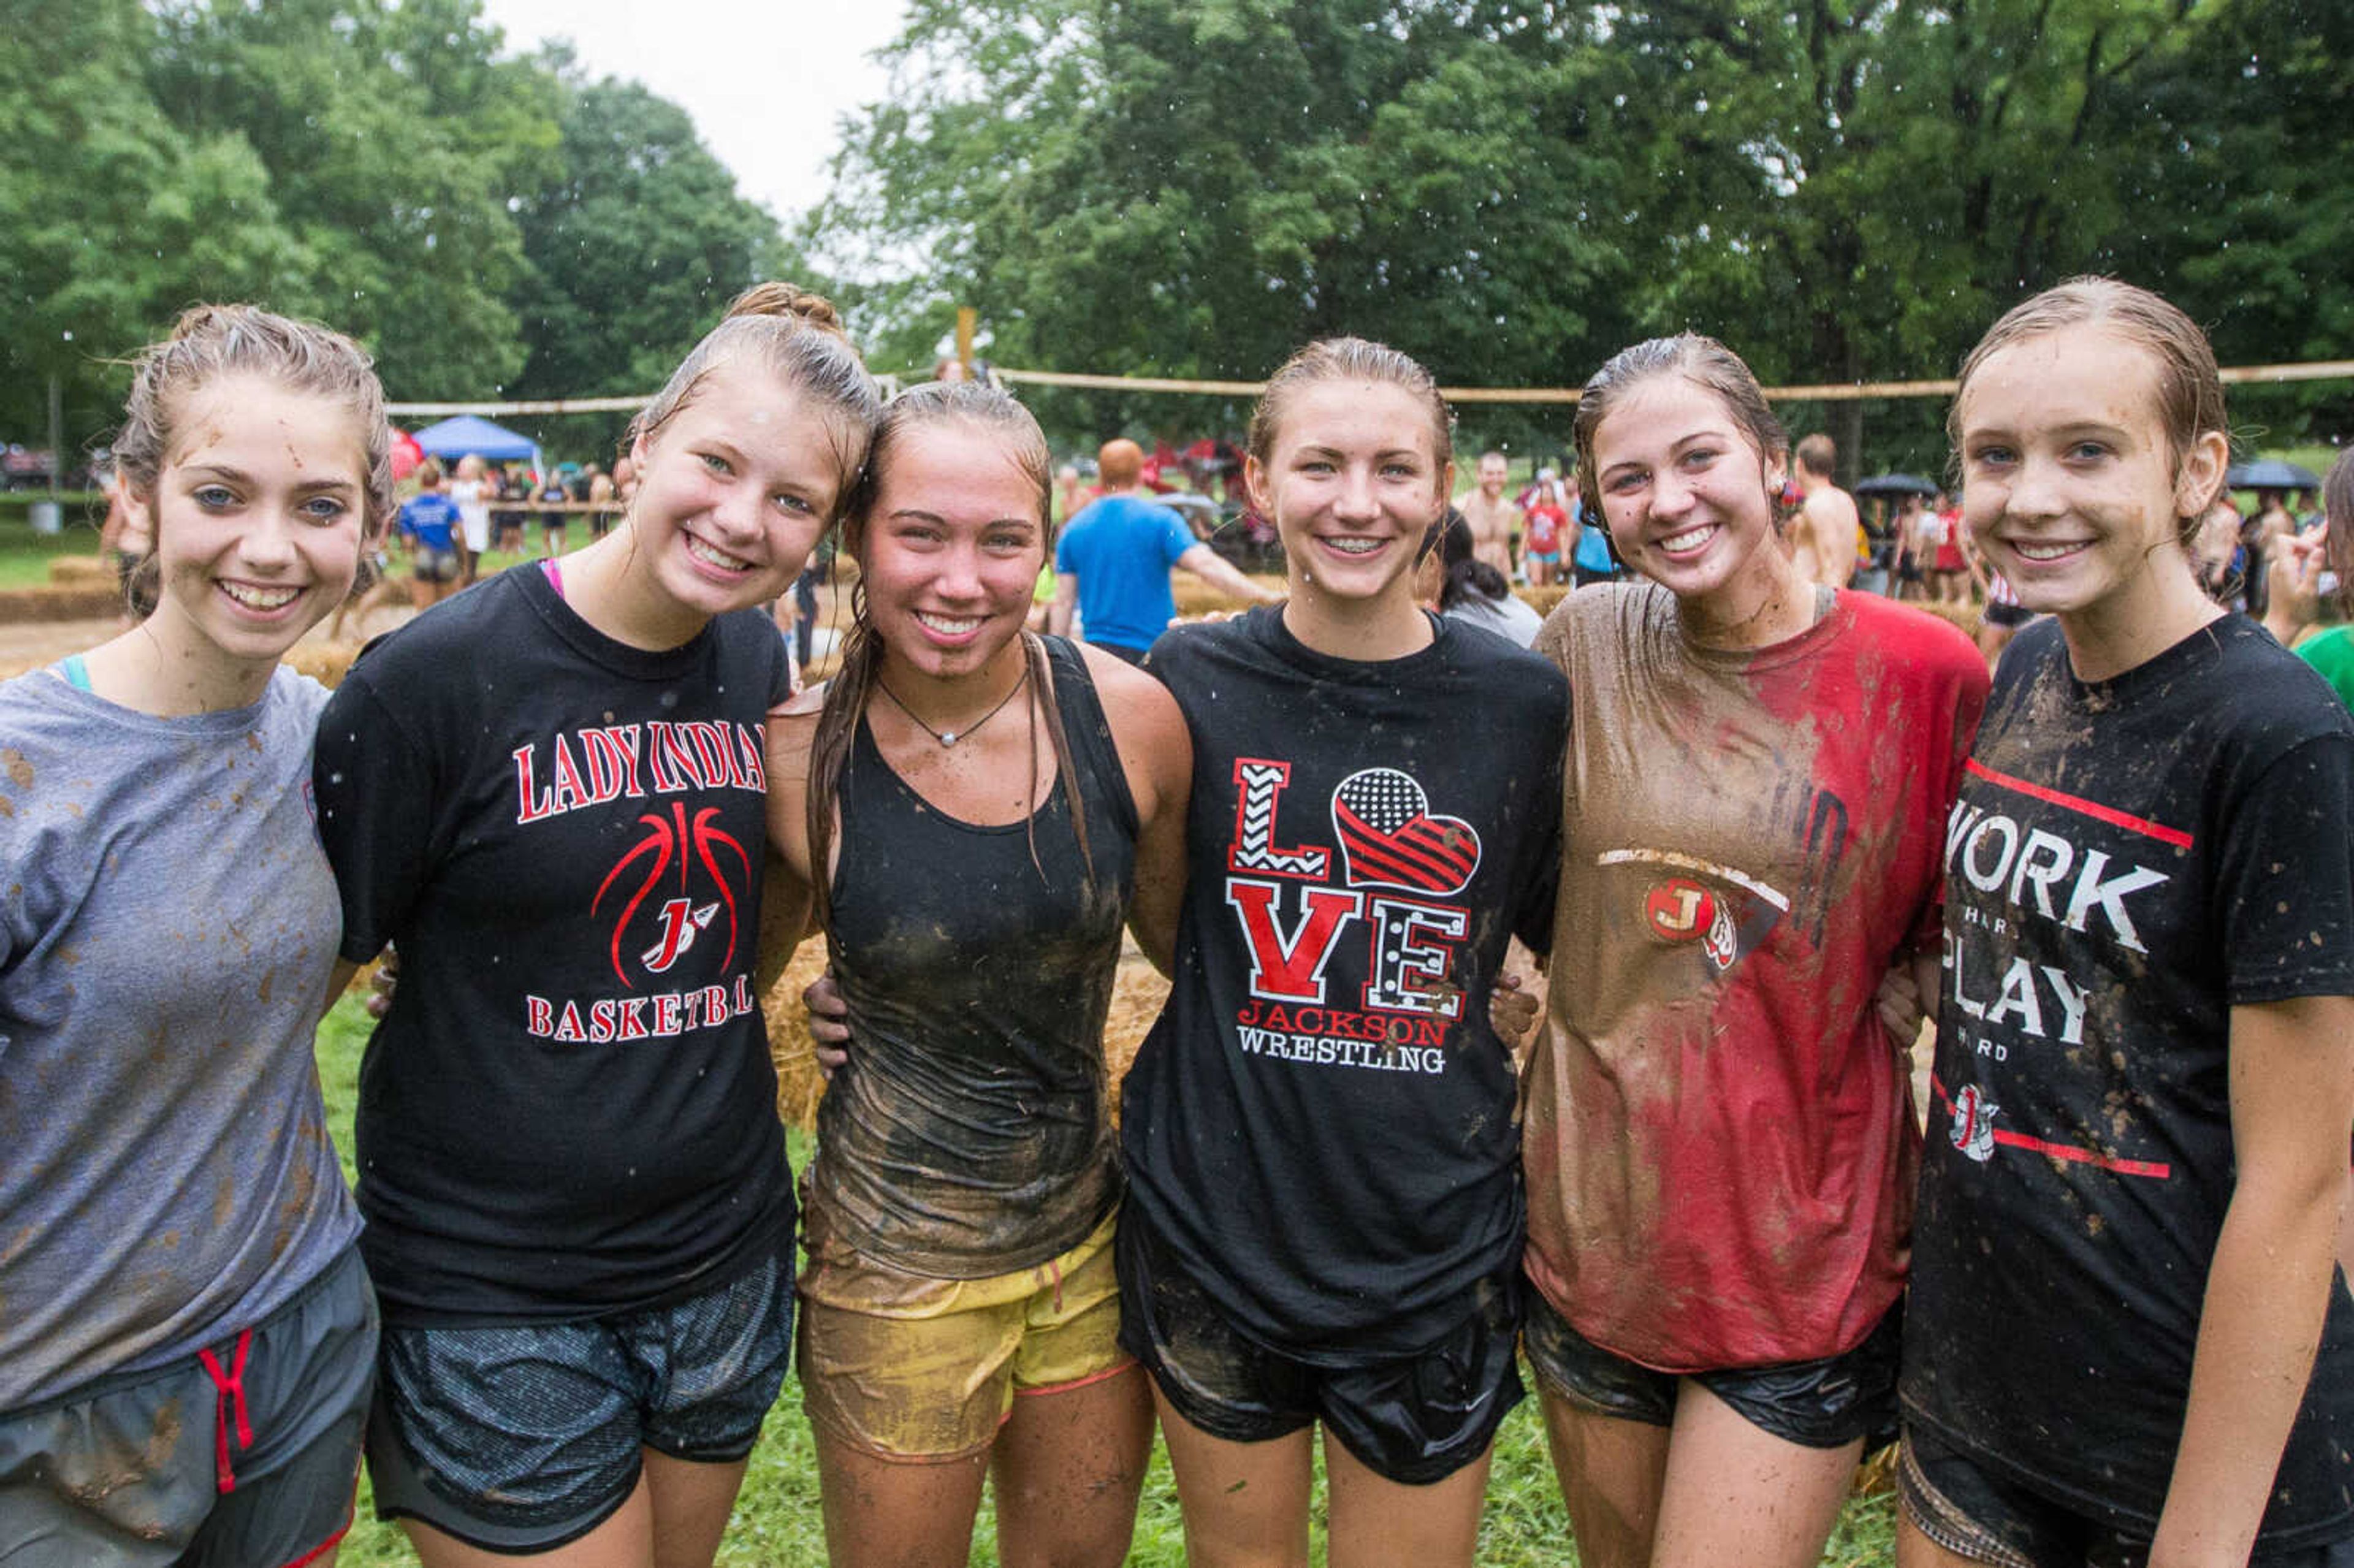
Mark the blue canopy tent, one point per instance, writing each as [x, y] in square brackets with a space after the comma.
[455, 438]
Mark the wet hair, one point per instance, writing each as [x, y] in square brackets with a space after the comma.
[2337, 511]
[211, 342]
[1706, 364]
[1817, 454]
[927, 406]
[1467, 575]
[2190, 388]
[798, 337]
[1348, 359]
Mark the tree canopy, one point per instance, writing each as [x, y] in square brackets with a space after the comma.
[1841, 189]
[487, 224]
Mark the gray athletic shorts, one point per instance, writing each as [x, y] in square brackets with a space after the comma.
[243, 1456]
[524, 1437]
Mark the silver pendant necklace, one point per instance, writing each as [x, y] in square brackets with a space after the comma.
[950, 736]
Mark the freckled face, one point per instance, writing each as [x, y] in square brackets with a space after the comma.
[258, 515]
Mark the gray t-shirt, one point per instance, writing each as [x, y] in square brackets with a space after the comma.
[167, 931]
[1508, 617]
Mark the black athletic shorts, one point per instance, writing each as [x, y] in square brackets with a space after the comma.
[1985, 1518]
[2008, 614]
[1825, 1404]
[1412, 1419]
[524, 1437]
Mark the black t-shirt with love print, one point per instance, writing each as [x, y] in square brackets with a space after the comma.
[1321, 1125]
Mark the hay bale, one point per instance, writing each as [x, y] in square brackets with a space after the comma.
[1966, 615]
[798, 1086]
[1196, 598]
[324, 663]
[24, 606]
[1543, 599]
[81, 572]
[1138, 992]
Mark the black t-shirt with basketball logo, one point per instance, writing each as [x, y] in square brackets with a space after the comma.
[570, 1110]
[1319, 1127]
[2128, 862]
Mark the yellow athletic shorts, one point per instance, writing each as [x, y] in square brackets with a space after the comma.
[925, 1370]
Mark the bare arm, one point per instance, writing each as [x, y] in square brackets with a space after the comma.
[1212, 568]
[338, 982]
[2294, 571]
[1829, 530]
[2292, 1085]
[1971, 560]
[1156, 753]
[788, 904]
[1908, 997]
[1066, 599]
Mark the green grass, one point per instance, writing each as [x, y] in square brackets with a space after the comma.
[777, 1524]
[25, 556]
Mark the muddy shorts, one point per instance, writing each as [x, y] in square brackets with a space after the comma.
[1826, 1403]
[431, 565]
[1414, 1419]
[922, 1370]
[1985, 1518]
[243, 1456]
[524, 1437]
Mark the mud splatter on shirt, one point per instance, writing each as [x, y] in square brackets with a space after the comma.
[1719, 1146]
[2128, 862]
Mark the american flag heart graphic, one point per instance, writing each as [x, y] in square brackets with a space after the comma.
[1389, 838]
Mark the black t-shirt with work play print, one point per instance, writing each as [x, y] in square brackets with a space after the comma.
[570, 1110]
[2128, 862]
[1320, 1124]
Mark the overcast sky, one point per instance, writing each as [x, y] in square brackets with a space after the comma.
[765, 81]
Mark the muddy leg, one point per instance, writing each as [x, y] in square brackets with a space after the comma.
[1068, 1468]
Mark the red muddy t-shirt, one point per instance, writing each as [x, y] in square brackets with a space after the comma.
[1718, 1137]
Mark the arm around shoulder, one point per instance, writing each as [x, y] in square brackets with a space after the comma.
[1214, 569]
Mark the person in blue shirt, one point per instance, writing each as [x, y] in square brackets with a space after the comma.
[425, 521]
[1112, 563]
[1590, 560]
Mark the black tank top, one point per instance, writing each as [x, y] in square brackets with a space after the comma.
[968, 1136]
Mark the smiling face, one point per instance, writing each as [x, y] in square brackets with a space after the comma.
[1353, 486]
[1493, 472]
[258, 516]
[733, 490]
[950, 550]
[2069, 485]
[1687, 496]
